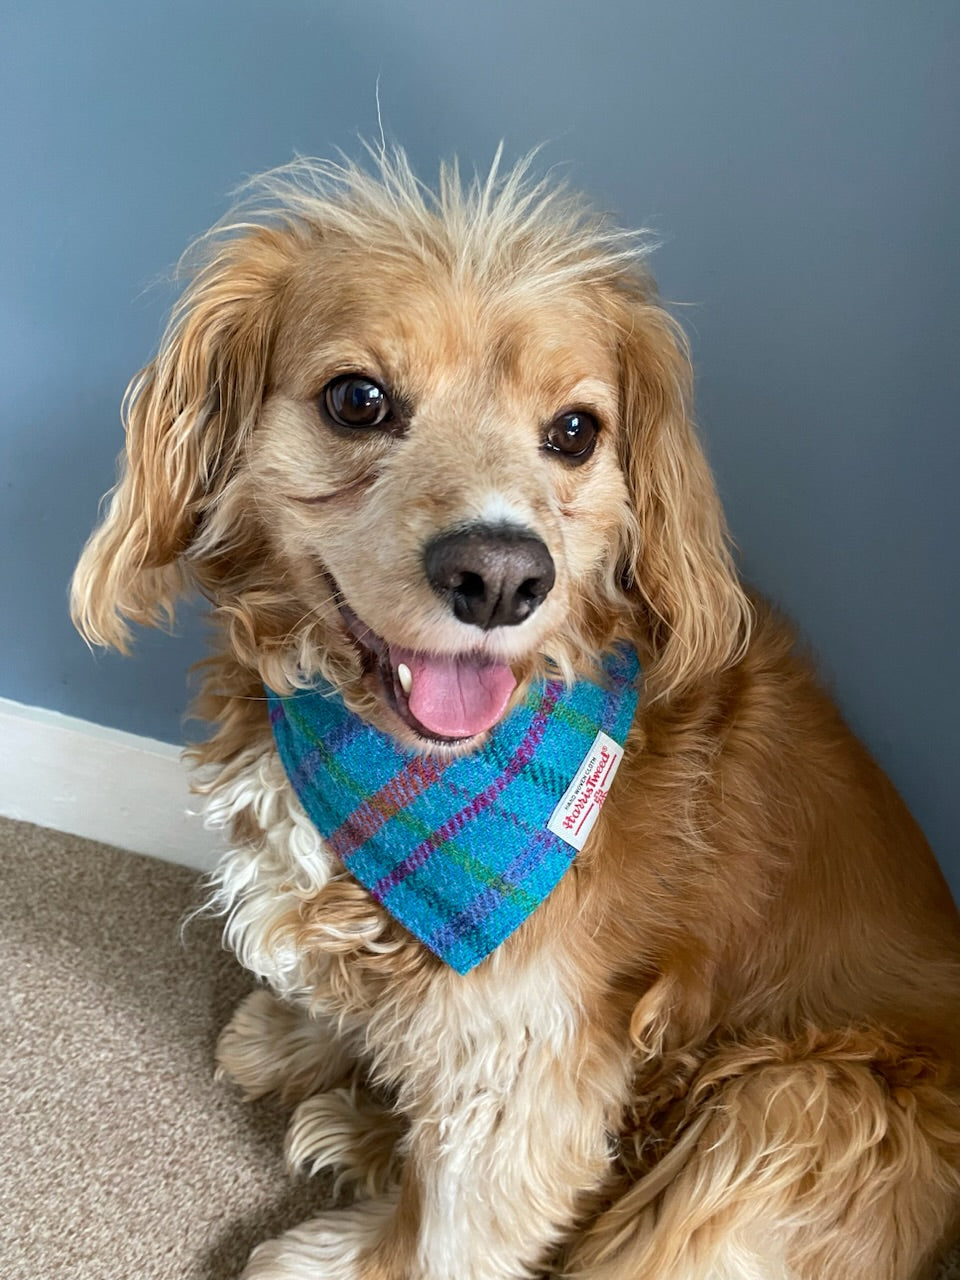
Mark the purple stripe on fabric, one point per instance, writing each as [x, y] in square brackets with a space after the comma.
[471, 917]
[619, 675]
[349, 729]
[521, 757]
[531, 857]
[527, 862]
[515, 819]
[465, 921]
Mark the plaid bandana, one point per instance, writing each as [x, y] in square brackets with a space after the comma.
[461, 851]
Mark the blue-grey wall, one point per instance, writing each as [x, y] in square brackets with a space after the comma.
[800, 160]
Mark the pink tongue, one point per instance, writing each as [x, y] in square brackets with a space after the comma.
[455, 697]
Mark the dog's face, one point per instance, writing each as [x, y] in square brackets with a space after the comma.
[423, 456]
[446, 465]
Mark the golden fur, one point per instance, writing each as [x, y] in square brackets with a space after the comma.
[727, 1045]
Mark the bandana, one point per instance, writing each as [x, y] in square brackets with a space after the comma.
[461, 851]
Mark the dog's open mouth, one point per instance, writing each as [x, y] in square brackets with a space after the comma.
[443, 697]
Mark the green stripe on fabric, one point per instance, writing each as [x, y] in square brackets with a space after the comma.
[420, 829]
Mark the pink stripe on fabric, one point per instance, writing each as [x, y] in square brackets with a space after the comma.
[521, 757]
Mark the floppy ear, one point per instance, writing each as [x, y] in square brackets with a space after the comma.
[186, 416]
[678, 556]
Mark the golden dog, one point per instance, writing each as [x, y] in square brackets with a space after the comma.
[725, 1047]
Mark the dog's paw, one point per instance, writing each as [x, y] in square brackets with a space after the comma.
[272, 1047]
[331, 1247]
[347, 1130]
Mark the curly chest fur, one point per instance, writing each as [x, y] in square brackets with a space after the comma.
[296, 920]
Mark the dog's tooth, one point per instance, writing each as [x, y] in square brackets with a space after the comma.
[405, 676]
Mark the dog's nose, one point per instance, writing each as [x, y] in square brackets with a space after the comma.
[492, 575]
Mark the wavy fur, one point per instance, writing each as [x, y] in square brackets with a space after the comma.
[727, 1045]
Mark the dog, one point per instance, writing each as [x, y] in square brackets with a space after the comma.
[431, 452]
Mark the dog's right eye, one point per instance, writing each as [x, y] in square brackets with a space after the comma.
[357, 402]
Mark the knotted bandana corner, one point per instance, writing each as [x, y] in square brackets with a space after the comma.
[461, 851]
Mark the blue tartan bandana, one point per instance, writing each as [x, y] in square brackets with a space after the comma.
[461, 851]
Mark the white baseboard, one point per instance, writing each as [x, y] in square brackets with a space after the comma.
[88, 780]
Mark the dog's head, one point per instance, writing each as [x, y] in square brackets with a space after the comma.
[420, 445]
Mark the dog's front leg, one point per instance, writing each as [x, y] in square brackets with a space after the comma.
[495, 1164]
[494, 1176]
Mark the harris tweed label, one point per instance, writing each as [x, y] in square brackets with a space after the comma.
[579, 807]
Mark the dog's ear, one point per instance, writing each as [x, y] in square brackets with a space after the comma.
[186, 415]
[677, 558]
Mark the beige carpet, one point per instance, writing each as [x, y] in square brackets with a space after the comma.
[120, 1158]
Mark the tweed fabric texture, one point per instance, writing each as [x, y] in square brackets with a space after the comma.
[457, 850]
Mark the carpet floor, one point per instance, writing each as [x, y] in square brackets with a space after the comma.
[121, 1158]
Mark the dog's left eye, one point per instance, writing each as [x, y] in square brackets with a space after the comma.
[357, 402]
[573, 435]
